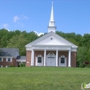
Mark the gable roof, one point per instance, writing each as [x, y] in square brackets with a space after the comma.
[21, 59]
[14, 52]
[59, 38]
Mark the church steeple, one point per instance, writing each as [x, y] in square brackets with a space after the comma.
[52, 14]
[52, 27]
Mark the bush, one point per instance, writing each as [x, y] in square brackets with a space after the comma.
[22, 65]
[11, 66]
[81, 65]
[88, 66]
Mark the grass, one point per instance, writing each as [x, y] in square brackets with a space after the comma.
[43, 78]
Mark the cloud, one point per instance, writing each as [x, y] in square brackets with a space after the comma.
[21, 24]
[38, 33]
[19, 20]
[5, 25]
[16, 18]
[24, 17]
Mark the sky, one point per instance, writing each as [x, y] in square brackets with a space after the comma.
[34, 15]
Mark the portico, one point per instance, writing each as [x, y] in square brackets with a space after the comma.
[54, 54]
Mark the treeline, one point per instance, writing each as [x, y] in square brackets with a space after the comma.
[18, 39]
[83, 43]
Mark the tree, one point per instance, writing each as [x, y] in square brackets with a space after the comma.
[18, 41]
[31, 36]
[85, 40]
[4, 37]
[82, 56]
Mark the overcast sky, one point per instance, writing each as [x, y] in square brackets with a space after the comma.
[34, 15]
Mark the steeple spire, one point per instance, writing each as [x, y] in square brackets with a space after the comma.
[52, 27]
[52, 14]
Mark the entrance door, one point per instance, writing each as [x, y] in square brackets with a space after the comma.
[51, 59]
[62, 61]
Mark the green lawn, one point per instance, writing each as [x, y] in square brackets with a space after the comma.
[43, 78]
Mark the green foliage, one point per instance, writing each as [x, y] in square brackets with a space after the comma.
[72, 37]
[81, 55]
[83, 43]
[22, 65]
[11, 66]
[85, 40]
[3, 37]
[31, 36]
[88, 66]
[18, 39]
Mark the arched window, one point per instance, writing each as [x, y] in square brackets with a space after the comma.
[51, 55]
[62, 61]
[39, 59]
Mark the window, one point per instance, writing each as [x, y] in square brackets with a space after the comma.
[39, 59]
[62, 60]
[1, 59]
[51, 55]
[9, 60]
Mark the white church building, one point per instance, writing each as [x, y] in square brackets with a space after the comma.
[51, 49]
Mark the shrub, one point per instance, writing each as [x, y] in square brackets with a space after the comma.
[22, 65]
[11, 66]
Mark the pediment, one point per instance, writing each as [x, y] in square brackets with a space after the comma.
[51, 39]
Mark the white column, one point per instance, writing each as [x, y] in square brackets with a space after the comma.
[44, 57]
[36, 61]
[69, 58]
[56, 57]
[32, 60]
